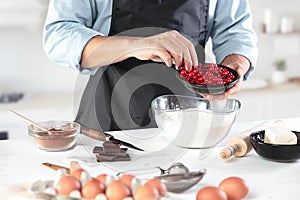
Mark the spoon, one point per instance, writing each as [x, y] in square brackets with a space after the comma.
[178, 178]
[174, 169]
[30, 121]
[178, 183]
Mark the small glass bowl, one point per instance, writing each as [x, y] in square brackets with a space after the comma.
[63, 135]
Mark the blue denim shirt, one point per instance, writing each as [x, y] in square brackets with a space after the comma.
[70, 24]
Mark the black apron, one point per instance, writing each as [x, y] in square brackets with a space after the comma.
[119, 96]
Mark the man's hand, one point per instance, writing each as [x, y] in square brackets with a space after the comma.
[169, 47]
[240, 64]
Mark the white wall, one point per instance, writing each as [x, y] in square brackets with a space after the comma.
[277, 46]
[25, 67]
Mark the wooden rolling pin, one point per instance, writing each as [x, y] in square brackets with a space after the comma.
[237, 146]
[240, 145]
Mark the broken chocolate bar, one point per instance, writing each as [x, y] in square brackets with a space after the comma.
[110, 144]
[101, 150]
[109, 158]
[111, 152]
[110, 147]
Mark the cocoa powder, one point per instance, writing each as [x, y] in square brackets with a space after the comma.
[55, 144]
[60, 139]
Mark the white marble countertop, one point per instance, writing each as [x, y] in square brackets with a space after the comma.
[21, 164]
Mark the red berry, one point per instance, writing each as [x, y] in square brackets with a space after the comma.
[183, 72]
[210, 74]
[180, 68]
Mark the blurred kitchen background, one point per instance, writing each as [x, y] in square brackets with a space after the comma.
[273, 91]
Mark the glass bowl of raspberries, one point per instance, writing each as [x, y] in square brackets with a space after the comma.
[208, 78]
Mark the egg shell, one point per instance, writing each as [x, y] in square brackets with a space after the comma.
[67, 184]
[211, 193]
[59, 173]
[235, 188]
[117, 190]
[102, 178]
[131, 181]
[127, 179]
[85, 176]
[74, 165]
[135, 184]
[146, 192]
[105, 179]
[160, 186]
[77, 173]
[92, 188]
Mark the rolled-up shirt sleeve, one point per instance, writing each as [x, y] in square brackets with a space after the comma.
[232, 31]
[67, 29]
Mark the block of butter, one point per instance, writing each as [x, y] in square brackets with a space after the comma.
[279, 134]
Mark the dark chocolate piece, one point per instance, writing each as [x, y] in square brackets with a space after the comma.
[110, 147]
[105, 158]
[111, 152]
[120, 151]
[98, 149]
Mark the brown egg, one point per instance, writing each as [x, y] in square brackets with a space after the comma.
[146, 192]
[211, 193]
[160, 186]
[77, 173]
[67, 184]
[92, 188]
[105, 178]
[235, 188]
[102, 178]
[126, 179]
[117, 190]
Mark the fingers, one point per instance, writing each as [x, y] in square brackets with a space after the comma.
[235, 89]
[181, 49]
[162, 55]
[190, 49]
[170, 47]
[237, 62]
[183, 57]
[232, 91]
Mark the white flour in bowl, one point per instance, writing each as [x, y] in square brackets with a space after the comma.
[193, 128]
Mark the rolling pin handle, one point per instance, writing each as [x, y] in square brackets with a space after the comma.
[229, 151]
